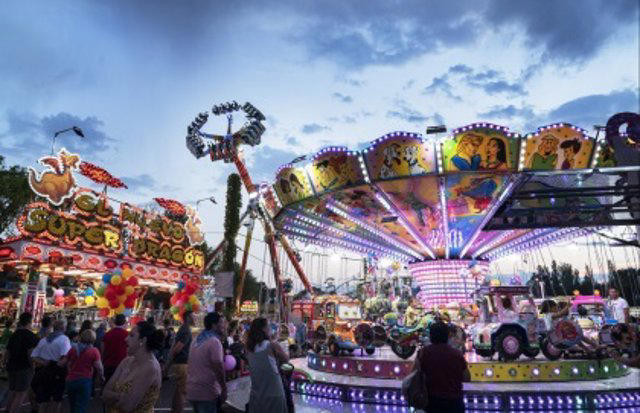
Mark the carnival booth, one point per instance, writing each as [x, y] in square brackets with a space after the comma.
[92, 252]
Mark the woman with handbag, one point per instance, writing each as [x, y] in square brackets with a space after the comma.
[444, 369]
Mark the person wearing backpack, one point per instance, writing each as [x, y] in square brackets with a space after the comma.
[444, 369]
[82, 360]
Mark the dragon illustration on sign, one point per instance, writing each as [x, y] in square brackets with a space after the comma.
[57, 183]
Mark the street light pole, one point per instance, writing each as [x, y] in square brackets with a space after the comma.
[75, 130]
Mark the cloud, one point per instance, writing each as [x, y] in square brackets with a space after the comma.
[404, 112]
[590, 110]
[31, 135]
[342, 98]
[490, 81]
[350, 81]
[565, 31]
[408, 84]
[292, 140]
[507, 112]
[140, 182]
[267, 159]
[314, 128]
[384, 33]
[441, 84]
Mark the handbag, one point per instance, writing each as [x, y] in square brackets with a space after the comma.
[414, 387]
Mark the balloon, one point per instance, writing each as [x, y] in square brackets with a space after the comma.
[100, 291]
[128, 290]
[106, 278]
[180, 303]
[195, 307]
[193, 299]
[104, 312]
[113, 304]
[122, 298]
[176, 317]
[89, 300]
[229, 362]
[102, 302]
[174, 310]
[120, 309]
[116, 280]
[59, 292]
[130, 302]
[173, 299]
[190, 289]
[119, 289]
[110, 294]
[133, 281]
[188, 307]
[127, 272]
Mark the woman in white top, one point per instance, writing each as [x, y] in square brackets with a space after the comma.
[264, 356]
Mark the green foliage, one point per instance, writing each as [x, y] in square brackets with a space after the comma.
[14, 193]
[232, 220]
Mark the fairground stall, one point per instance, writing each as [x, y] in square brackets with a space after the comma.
[81, 244]
[447, 207]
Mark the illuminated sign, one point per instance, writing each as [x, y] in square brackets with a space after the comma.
[139, 234]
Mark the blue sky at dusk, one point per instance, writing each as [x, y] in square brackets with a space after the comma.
[133, 74]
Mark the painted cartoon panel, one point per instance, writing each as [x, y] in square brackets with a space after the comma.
[292, 185]
[335, 169]
[361, 203]
[477, 148]
[400, 154]
[469, 198]
[559, 146]
[418, 199]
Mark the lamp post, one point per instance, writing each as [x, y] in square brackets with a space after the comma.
[210, 198]
[74, 129]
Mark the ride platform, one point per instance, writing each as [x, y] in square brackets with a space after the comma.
[577, 385]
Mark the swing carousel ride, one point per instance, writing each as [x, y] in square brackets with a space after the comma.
[446, 208]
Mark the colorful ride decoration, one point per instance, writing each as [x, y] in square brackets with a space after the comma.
[185, 298]
[171, 205]
[118, 293]
[415, 199]
[100, 175]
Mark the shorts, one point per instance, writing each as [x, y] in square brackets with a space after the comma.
[180, 373]
[20, 380]
[49, 383]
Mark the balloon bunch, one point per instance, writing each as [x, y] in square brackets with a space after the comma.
[184, 299]
[117, 294]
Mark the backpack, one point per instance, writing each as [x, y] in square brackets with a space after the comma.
[414, 387]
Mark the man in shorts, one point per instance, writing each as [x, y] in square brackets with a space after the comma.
[19, 366]
[178, 358]
[49, 379]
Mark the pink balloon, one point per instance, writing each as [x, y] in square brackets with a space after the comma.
[229, 363]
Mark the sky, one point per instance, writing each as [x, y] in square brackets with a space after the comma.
[133, 74]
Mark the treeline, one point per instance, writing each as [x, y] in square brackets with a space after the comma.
[564, 279]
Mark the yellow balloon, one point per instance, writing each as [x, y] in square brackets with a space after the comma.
[176, 317]
[116, 280]
[89, 300]
[126, 273]
[102, 302]
[120, 309]
[128, 290]
[193, 299]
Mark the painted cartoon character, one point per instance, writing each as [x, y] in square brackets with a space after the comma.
[546, 157]
[296, 186]
[467, 157]
[570, 149]
[57, 183]
[411, 158]
[496, 155]
[192, 227]
[391, 156]
[480, 190]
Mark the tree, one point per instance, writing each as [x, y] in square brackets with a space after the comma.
[231, 220]
[14, 194]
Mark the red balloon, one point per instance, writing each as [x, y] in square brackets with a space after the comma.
[114, 304]
[189, 289]
[104, 312]
[119, 289]
[132, 281]
[110, 294]
[173, 299]
[129, 302]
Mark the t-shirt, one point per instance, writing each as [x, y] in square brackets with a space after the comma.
[81, 366]
[202, 383]
[183, 336]
[21, 341]
[444, 367]
[52, 350]
[115, 346]
[617, 307]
